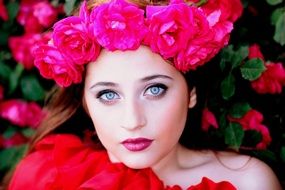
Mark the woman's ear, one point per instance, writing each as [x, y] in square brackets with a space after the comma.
[192, 98]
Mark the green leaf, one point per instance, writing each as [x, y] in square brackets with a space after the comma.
[233, 57]
[9, 157]
[274, 2]
[227, 53]
[239, 56]
[228, 87]
[239, 109]
[5, 71]
[31, 88]
[4, 37]
[279, 35]
[223, 64]
[14, 78]
[69, 6]
[252, 69]
[28, 132]
[234, 135]
[12, 9]
[9, 132]
[201, 2]
[223, 121]
[276, 15]
[282, 153]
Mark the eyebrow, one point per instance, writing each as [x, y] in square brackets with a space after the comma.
[145, 79]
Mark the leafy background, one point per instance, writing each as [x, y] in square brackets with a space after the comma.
[22, 89]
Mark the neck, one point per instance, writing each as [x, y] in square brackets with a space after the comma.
[169, 164]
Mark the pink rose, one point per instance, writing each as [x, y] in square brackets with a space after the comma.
[271, 80]
[118, 25]
[21, 113]
[72, 36]
[231, 10]
[170, 28]
[254, 52]
[3, 11]
[211, 34]
[36, 15]
[252, 121]
[22, 47]
[54, 65]
[208, 120]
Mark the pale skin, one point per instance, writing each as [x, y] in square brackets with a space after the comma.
[135, 94]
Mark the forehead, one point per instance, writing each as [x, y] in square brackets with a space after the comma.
[131, 64]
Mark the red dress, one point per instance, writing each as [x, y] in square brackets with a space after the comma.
[63, 162]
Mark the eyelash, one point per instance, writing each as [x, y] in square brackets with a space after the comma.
[163, 88]
[105, 92]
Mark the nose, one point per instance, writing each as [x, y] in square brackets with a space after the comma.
[133, 116]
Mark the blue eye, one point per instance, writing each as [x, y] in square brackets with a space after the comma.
[156, 90]
[107, 96]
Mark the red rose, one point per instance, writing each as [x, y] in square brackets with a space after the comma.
[36, 15]
[1, 92]
[254, 52]
[271, 80]
[266, 138]
[119, 25]
[3, 11]
[208, 119]
[14, 140]
[23, 46]
[231, 10]
[252, 121]
[72, 36]
[21, 113]
[54, 65]
[211, 34]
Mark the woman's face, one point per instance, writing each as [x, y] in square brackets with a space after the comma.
[138, 103]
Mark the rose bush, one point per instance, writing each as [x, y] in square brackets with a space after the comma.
[243, 85]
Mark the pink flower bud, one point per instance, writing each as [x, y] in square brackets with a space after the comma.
[208, 120]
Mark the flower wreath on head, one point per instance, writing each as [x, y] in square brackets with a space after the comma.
[183, 34]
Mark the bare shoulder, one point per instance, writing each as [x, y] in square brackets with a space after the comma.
[249, 172]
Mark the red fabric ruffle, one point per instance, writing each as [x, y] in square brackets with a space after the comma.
[63, 162]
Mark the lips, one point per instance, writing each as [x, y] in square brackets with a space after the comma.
[137, 144]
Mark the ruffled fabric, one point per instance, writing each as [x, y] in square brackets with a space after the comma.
[63, 162]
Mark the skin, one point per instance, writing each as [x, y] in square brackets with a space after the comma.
[135, 94]
[135, 109]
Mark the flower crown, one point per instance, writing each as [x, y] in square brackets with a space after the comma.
[183, 34]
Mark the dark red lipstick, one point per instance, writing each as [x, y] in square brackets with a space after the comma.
[137, 144]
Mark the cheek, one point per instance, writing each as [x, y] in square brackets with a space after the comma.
[103, 120]
[170, 117]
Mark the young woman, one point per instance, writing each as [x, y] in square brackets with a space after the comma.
[130, 86]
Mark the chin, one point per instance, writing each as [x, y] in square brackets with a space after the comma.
[138, 163]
